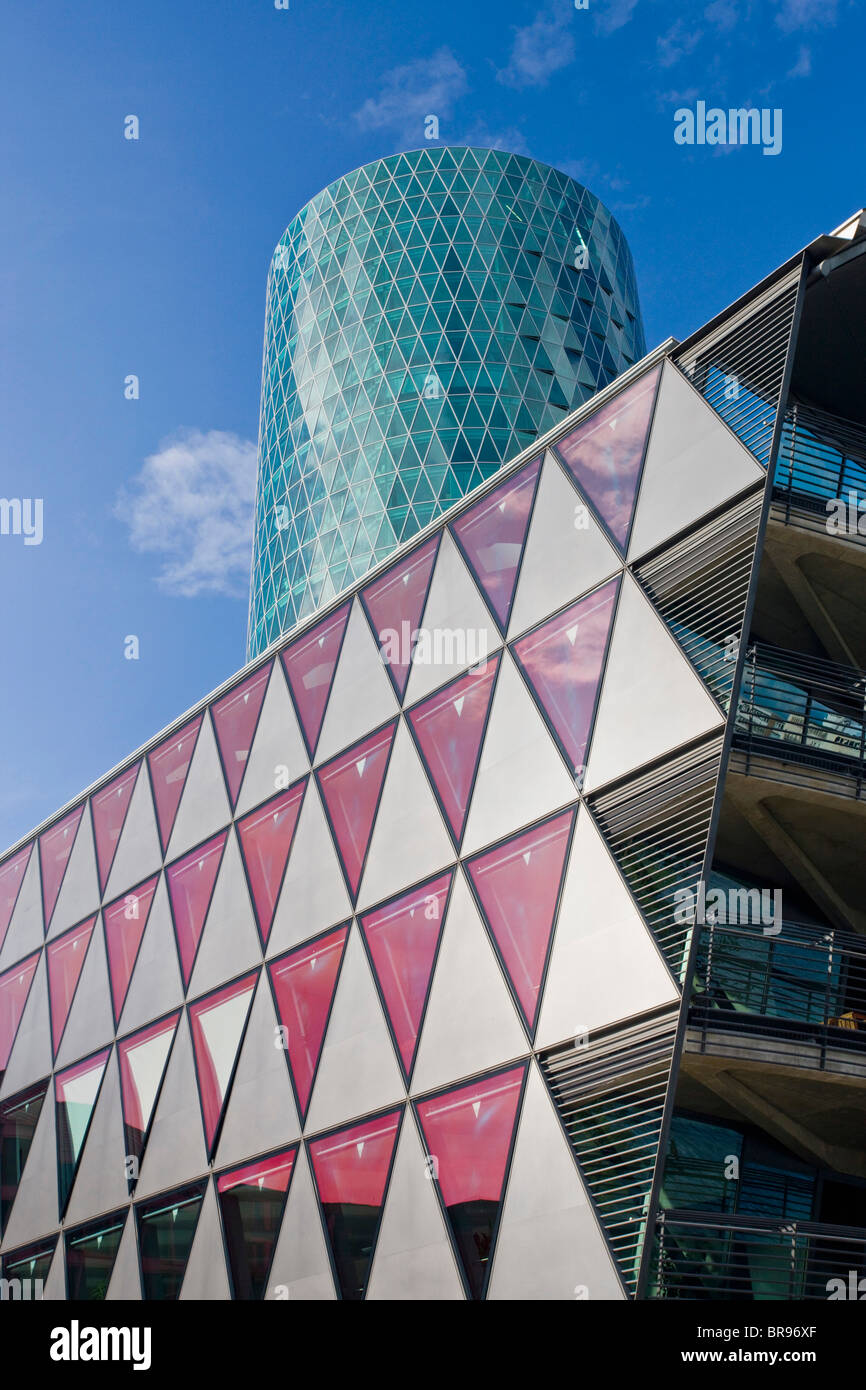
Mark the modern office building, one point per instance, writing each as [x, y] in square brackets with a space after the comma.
[428, 317]
[498, 933]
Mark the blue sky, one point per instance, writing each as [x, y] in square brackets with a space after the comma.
[150, 257]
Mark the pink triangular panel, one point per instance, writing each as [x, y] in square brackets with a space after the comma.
[169, 765]
[108, 808]
[55, 847]
[11, 877]
[217, 1024]
[449, 727]
[604, 454]
[266, 836]
[124, 921]
[235, 717]
[14, 989]
[395, 605]
[65, 958]
[350, 785]
[310, 663]
[143, 1058]
[190, 886]
[492, 535]
[402, 938]
[562, 660]
[518, 885]
[304, 982]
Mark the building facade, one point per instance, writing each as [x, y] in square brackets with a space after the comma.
[428, 317]
[498, 933]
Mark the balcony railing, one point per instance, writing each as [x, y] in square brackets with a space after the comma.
[820, 458]
[804, 709]
[704, 1255]
[798, 994]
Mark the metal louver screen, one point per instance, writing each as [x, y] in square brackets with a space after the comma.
[610, 1093]
[739, 366]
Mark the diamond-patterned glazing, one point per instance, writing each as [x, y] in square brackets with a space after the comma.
[428, 316]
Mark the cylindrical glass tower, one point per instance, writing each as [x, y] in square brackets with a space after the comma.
[428, 316]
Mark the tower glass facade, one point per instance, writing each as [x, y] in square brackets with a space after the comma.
[428, 316]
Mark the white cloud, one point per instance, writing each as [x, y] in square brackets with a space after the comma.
[613, 14]
[676, 43]
[721, 13]
[540, 49]
[192, 504]
[803, 65]
[425, 87]
[507, 138]
[804, 14]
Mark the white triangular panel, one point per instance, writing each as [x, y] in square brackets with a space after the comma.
[90, 1024]
[454, 605]
[138, 850]
[204, 806]
[314, 893]
[471, 1023]
[521, 776]
[409, 841]
[301, 1270]
[175, 1150]
[549, 1244]
[206, 1276]
[651, 700]
[362, 696]
[55, 1285]
[693, 464]
[25, 933]
[261, 1112]
[562, 526]
[277, 745]
[358, 1071]
[230, 941]
[79, 892]
[604, 965]
[125, 1284]
[30, 1059]
[100, 1182]
[34, 1211]
[413, 1259]
[155, 987]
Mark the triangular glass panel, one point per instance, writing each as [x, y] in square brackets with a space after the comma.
[562, 661]
[218, 1022]
[91, 1251]
[30, 1265]
[492, 534]
[64, 958]
[11, 877]
[166, 1229]
[448, 727]
[303, 983]
[266, 837]
[14, 989]
[252, 1200]
[190, 883]
[108, 809]
[124, 921]
[169, 765]
[235, 718]
[402, 938]
[351, 1168]
[76, 1091]
[517, 885]
[604, 454]
[55, 847]
[310, 663]
[394, 604]
[142, 1058]
[350, 785]
[18, 1119]
[468, 1135]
